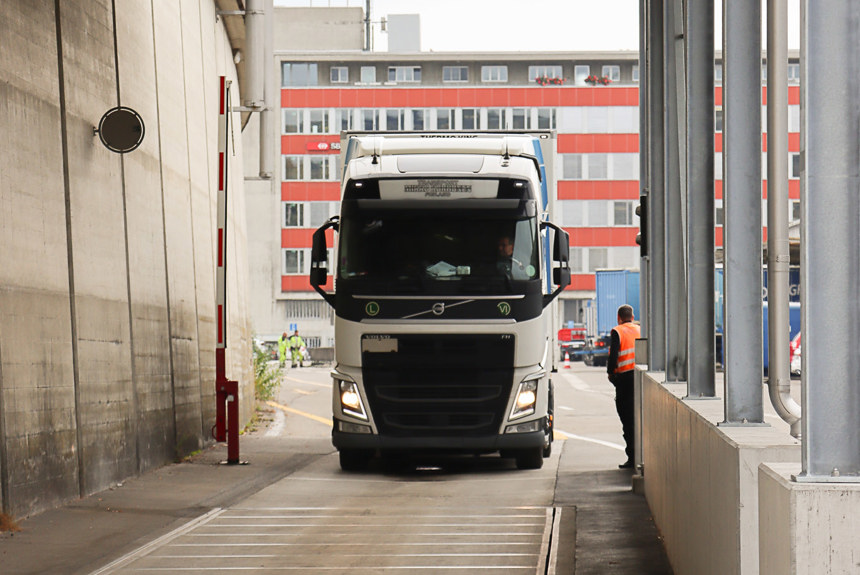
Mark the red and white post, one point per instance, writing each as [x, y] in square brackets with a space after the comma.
[226, 392]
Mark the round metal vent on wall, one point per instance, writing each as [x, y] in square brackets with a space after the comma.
[121, 130]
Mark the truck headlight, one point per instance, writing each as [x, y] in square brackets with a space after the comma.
[526, 399]
[350, 399]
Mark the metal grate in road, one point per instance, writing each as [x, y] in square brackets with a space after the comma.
[357, 541]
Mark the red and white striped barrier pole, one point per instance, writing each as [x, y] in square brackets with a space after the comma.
[226, 392]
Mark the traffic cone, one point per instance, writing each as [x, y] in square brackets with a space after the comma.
[566, 360]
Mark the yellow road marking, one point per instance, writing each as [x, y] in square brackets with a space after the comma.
[558, 435]
[297, 380]
[303, 392]
[286, 409]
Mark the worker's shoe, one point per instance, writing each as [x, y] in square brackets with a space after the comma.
[626, 465]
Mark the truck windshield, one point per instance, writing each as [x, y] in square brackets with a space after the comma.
[447, 246]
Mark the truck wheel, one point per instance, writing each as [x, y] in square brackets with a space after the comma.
[354, 459]
[530, 458]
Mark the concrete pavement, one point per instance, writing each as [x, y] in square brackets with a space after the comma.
[613, 531]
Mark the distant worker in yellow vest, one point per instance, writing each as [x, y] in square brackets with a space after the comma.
[620, 366]
[296, 345]
[282, 349]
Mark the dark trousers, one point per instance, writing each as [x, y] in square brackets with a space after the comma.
[624, 406]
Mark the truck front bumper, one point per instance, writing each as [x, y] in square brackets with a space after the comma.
[490, 443]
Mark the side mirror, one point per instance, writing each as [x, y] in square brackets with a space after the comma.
[560, 261]
[319, 259]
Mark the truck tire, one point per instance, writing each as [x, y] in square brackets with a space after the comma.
[354, 459]
[530, 458]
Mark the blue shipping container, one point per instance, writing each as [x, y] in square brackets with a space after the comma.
[615, 288]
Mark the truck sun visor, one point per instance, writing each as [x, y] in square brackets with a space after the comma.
[437, 189]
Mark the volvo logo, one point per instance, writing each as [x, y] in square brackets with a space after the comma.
[438, 308]
[504, 308]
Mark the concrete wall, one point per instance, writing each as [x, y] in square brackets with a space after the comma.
[107, 321]
[319, 29]
[701, 479]
[807, 528]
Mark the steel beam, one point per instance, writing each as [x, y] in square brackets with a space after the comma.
[674, 190]
[830, 241]
[742, 211]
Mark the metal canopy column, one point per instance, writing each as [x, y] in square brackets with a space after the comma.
[700, 198]
[830, 240]
[742, 343]
[654, 178]
[674, 191]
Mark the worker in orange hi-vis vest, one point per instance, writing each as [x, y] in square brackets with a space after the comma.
[620, 366]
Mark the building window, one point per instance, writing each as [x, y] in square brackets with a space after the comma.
[495, 118]
[319, 121]
[292, 168]
[718, 120]
[339, 74]
[719, 213]
[307, 309]
[544, 72]
[455, 74]
[612, 72]
[794, 73]
[597, 166]
[518, 118]
[292, 121]
[597, 259]
[546, 119]
[293, 74]
[635, 73]
[795, 166]
[322, 168]
[404, 73]
[294, 262]
[368, 74]
[718, 73]
[795, 210]
[470, 119]
[494, 73]
[342, 120]
[419, 119]
[368, 120]
[294, 215]
[571, 166]
[321, 212]
[622, 213]
[444, 119]
[580, 73]
[394, 119]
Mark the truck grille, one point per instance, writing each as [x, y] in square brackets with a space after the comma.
[440, 385]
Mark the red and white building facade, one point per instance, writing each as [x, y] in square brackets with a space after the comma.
[596, 170]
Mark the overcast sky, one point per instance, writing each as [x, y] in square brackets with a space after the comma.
[518, 25]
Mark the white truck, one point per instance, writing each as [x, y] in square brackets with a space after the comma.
[446, 271]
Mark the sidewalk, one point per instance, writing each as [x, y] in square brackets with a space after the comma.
[87, 534]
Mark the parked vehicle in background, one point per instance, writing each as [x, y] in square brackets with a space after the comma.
[570, 341]
[614, 289]
[795, 355]
[596, 352]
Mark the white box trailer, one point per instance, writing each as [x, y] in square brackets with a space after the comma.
[446, 270]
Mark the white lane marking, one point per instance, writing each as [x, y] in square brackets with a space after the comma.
[566, 408]
[592, 440]
[278, 425]
[155, 544]
[553, 550]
